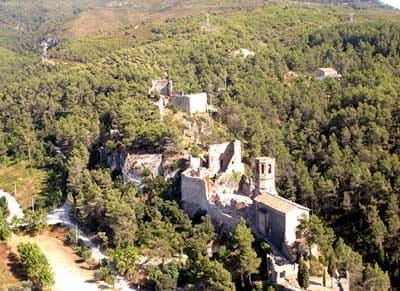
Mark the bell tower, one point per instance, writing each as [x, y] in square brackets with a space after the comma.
[265, 175]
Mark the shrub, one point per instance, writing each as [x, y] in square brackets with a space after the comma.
[124, 258]
[35, 221]
[70, 238]
[5, 231]
[36, 266]
[146, 172]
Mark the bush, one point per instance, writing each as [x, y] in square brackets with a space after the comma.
[146, 172]
[36, 266]
[35, 221]
[195, 150]
[100, 274]
[5, 231]
[124, 258]
[316, 268]
[70, 238]
[165, 277]
[104, 274]
[84, 252]
[4, 206]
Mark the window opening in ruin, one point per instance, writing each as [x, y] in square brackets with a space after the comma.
[269, 168]
[262, 169]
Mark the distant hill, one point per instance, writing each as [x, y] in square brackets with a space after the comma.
[22, 22]
[353, 3]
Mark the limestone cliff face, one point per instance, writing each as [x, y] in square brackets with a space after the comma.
[135, 166]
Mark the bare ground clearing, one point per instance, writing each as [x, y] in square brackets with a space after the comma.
[70, 272]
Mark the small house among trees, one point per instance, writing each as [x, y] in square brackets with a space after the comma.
[323, 73]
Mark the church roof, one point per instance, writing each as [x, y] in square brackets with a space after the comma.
[279, 203]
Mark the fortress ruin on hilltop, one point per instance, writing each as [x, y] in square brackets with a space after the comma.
[220, 187]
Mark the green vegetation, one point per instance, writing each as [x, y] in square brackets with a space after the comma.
[243, 261]
[336, 142]
[303, 276]
[124, 258]
[5, 231]
[29, 181]
[34, 221]
[164, 277]
[37, 268]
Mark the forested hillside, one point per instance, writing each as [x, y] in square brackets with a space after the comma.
[336, 142]
[23, 22]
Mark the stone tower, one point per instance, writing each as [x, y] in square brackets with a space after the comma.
[265, 175]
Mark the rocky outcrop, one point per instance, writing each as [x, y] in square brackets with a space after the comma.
[137, 166]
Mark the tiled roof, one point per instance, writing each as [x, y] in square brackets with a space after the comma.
[279, 203]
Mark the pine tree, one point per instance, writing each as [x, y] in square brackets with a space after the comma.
[392, 216]
[377, 228]
[375, 279]
[331, 268]
[304, 183]
[243, 259]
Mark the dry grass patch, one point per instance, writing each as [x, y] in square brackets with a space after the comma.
[30, 182]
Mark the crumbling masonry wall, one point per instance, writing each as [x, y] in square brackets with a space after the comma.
[225, 157]
[191, 103]
[194, 193]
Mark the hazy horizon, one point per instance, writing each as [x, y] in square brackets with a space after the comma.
[394, 3]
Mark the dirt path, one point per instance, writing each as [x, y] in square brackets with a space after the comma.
[7, 278]
[70, 273]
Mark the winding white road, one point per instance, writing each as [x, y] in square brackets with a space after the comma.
[62, 216]
[13, 206]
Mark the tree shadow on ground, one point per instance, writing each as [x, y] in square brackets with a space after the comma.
[16, 267]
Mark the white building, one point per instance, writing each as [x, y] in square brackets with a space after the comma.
[323, 73]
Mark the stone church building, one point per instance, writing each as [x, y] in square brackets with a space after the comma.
[212, 188]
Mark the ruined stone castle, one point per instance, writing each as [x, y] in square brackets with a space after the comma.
[220, 187]
[190, 103]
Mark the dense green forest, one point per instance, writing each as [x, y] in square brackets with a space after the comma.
[336, 142]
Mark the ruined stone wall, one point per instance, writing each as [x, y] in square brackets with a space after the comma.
[197, 103]
[191, 103]
[162, 87]
[225, 157]
[194, 193]
[224, 222]
[215, 154]
[182, 102]
[135, 164]
[234, 156]
[228, 156]
[279, 272]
